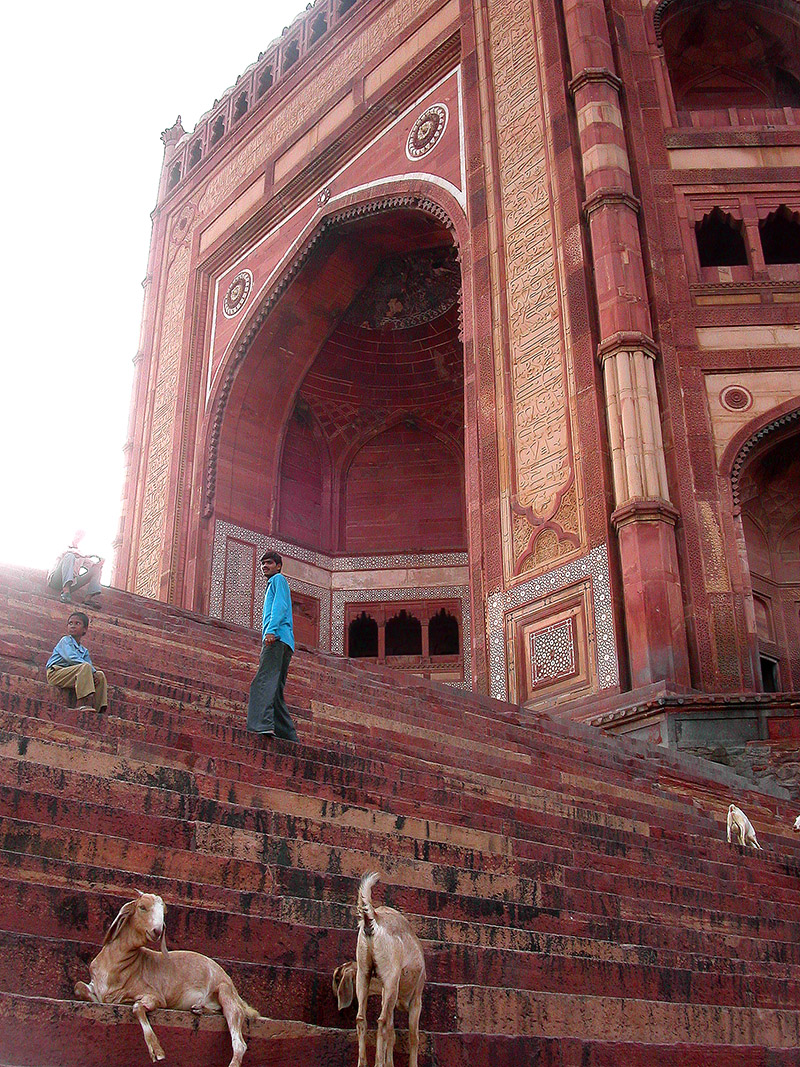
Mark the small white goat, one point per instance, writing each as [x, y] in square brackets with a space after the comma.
[796, 826]
[389, 951]
[738, 821]
[126, 972]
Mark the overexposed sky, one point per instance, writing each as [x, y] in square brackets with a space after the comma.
[88, 88]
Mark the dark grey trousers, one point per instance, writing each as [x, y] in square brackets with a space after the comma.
[266, 708]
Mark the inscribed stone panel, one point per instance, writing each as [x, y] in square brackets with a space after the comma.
[538, 377]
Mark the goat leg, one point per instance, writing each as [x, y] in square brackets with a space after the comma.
[362, 993]
[86, 992]
[384, 1049]
[414, 1010]
[232, 1009]
[140, 1009]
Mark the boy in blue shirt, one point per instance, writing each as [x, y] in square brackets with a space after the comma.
[70, 666]
[267, 713]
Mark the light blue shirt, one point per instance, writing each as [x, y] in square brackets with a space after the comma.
[67, 653]
[277, 617]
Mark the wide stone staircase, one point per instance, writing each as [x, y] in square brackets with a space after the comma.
[575, 894]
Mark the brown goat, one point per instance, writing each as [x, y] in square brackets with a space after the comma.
[125, 971]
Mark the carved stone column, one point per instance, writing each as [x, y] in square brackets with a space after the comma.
[644, 517]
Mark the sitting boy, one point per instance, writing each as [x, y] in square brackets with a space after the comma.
[72, 570]
[70, 667]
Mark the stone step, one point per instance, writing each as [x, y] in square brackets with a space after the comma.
[38, 1032]
[157, 775]
[49, 967]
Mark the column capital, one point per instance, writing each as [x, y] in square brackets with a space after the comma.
[626, 341]
[640, 510]
[610, 198]
[594, 75]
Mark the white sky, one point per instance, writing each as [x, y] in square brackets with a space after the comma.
[88, 88]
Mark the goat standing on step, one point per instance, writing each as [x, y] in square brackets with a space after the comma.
[387, 950]
[125, 971]
[739, 823]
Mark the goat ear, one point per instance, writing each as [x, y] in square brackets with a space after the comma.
[164, 950]
[346, 990]
[124, 913]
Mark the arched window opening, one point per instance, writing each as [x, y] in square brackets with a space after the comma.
[780, 236]
[719, 241]
[218, 129]
[196, 153]
[770, 680]
[345, 5]
[240, 108]
[403, 635]
[769, 491]
[290, 55]
[174, 176]
[787, 87]
[732, 54]
[264, 81]
[443, 637]
[318, 27]
[362, 637]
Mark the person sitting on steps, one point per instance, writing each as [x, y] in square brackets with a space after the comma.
[70, 667]
[72, 570]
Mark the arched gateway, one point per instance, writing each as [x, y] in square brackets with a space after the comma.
[469, 307]
[337, 435]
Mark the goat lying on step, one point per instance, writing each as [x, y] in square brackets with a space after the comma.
[125, 971]
[738, 822]
[389, 961]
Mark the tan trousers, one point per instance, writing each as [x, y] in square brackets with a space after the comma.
[83, 680]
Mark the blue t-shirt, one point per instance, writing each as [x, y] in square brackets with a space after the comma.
[277, 617]
[67, 653]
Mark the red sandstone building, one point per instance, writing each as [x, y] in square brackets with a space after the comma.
[487, 316]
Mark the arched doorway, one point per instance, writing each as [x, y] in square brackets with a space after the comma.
[342, 440]
[769, 495]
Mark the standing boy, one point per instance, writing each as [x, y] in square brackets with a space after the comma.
[266, 709]
[70, 666]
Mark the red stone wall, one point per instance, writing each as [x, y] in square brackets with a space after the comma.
[566, 423]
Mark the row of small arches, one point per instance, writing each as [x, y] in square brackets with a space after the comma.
[403, 635]
[265, 79]
[721, 242]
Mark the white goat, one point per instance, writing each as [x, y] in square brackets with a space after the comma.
[738, 821]
[387, 950]
[126, 972]
[796, 826]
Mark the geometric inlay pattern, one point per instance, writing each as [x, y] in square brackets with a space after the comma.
[593, 566]
[553, 652]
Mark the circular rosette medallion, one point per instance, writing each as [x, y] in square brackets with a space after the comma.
[427, 131]
[736, 398]
[237, 294]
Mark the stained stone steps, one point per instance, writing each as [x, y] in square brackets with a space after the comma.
[575, 893]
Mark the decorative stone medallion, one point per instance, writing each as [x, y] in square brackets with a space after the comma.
[427, 131]
[736, 398]
[237, 294]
